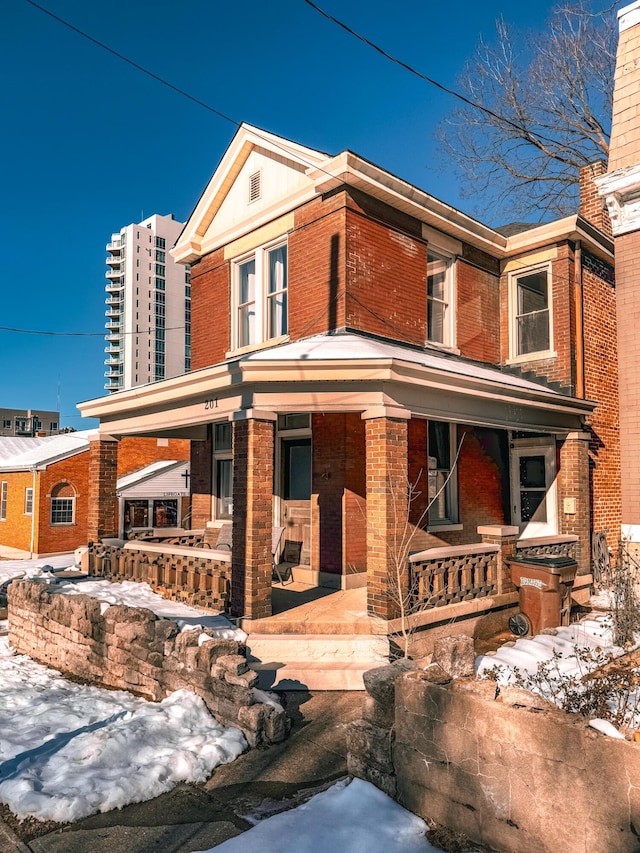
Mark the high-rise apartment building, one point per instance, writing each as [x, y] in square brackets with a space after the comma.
[148, 305]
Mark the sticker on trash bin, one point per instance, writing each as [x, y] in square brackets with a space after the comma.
[532, 582]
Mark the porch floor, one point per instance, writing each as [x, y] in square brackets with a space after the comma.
[300, 608]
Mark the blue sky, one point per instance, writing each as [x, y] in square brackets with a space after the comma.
[90, 144]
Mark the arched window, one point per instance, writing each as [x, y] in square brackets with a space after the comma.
[63, 504]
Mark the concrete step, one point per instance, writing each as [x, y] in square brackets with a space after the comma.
[315, 661]
[350, 648]
[305, 675]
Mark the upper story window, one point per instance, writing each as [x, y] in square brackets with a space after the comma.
[439, 299]
[260, 296]
[530, 302]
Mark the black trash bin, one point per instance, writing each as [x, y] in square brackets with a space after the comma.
[545, 585]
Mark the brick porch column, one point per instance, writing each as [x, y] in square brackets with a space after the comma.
[505, 537]
[103, 473]
[253, 446]
[574, 511]
[387, 509]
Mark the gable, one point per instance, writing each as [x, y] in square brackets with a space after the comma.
[260, 177]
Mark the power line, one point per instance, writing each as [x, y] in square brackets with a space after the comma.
[84, 334]
[454, 94]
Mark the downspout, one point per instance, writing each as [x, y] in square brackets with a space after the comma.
[34, 504]
[579, 313]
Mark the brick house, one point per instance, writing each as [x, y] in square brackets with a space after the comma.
[352, 335]
[45, 493]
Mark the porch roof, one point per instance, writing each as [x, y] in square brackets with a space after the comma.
[342, 372]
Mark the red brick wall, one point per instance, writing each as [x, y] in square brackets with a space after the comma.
[477, 313]
[386, 281]
[62, 538]
[210, 310]
[317, 268]
[339, 513]
[601, 385]
[134, 453]
[592, 207]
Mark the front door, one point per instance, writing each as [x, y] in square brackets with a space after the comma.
[296, 500]
[533, 489]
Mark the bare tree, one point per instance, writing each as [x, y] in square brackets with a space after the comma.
[548, 101]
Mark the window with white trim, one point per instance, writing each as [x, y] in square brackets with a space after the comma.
[223, 470]
[28, 501]
[63, 504]
[443, 484]
[3, 500]
[530, 303]
[439, 299]
[260, 296]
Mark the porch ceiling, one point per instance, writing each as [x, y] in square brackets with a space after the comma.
[338, 373]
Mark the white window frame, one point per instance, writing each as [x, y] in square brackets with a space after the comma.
[54, 501]
[28, 500]
[450, 491]
[547, 449]
[514, 277]
[221, 455]
[4, 487]
[261, 300]
[448, 327]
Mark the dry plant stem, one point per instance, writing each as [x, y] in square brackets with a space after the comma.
[407, 599]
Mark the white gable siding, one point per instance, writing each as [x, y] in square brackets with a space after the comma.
[167, 484]
[279, 178]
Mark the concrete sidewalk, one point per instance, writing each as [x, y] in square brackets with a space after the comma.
[198, 817]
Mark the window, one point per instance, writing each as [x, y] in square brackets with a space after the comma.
[3, 500]
[160, 243]
[28, 501]
[442, 487]
[439, 299]
[6, 424]
[63, 504]
[261, 296]
[160, 256]
[530, 294]
[223, 470]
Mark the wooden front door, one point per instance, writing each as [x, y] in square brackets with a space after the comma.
[296, 500]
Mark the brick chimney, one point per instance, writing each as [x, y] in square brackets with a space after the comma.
[620, 188]
[592, 206]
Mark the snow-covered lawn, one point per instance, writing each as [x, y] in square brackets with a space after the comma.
[70, 750]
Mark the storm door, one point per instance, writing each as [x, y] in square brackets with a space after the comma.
[533, 489]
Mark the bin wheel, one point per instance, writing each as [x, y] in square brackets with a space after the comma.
[519, 625]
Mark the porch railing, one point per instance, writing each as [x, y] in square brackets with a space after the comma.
[547, 546]
[441, 576]
[196, 576]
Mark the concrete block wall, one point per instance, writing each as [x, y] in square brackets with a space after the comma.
[130, 648]
[510, 771]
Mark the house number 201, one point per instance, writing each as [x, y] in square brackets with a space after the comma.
[211, 404]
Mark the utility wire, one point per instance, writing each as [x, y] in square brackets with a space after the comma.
[430, 80]
[83, 334]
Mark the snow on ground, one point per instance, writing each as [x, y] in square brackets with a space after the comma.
[70, 750]
[20, 568]
[351, 817]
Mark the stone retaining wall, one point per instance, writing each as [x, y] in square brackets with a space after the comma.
[130, 648]
[511, 771]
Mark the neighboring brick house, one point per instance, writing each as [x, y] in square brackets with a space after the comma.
[352, 334]
[45, 493]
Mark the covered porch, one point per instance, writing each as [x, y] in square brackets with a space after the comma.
[403, 475]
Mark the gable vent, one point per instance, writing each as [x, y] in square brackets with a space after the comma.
[255, 186]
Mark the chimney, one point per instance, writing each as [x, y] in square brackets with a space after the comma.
[592, 206]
